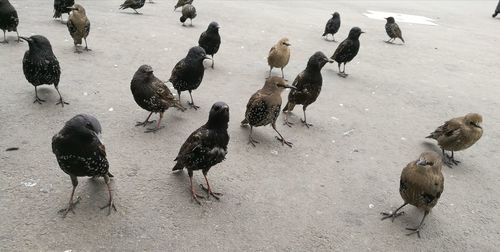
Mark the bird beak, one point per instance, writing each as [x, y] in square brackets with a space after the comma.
[206, 57]
[386, 18]
[25, 39]
[363, 32]
[287, 44]
[71, 8]
[288, 86]
[477, 125]
[329, 60]
[421, 162]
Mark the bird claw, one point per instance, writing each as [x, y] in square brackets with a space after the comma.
[62, 103]
[343, 75]
[391, 215]
[191, 104]
[153, 130]
[109, 206]
[283, 142]
[414, 231]
[4, 42]
[252, 142]
[87, 49]
[195, 197]
[450, 161]
[70, 207]
[287, 123]
[209, 192]
[306, 124]
[143, 124]
[38, 100]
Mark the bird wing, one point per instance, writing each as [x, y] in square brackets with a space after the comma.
[272, 50]
[396, 30]
[301, 91]
[450, 129]
[71, 26]
[162, 90]
[87, 27]
[191, 145]
[178, 70]
[203, 36]
[421, 188]
[343, 48]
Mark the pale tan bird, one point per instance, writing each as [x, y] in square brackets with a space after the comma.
[458, 134]
[78, 26]
[421, 185]
[279, 55]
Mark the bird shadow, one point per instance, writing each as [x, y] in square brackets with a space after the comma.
[133, 13]
[392, 43]
[431, 147]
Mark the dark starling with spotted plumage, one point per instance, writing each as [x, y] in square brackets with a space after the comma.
[61, 6]
[80, 153]
[188, 11]
[308, 86]
[497, 10]
[421, 185]
[181, 3]
[8, 19]
[210, 40]
[347, 50]
[78, 26]
[133, 4]
[264, 106]
[188, 72]
[458, 134]
[40, 66]
[152, 94]
[332, 26]
[393, 30]
[205, 147]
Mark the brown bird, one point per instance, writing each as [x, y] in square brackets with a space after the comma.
[279, 55]
[78, 26]
[393, 30]
[264, 106]
[421, 185]
[458, 134]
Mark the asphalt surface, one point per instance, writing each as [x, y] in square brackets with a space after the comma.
[326, 193]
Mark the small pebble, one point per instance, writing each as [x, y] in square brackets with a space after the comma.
[371, 206]
[110, 109]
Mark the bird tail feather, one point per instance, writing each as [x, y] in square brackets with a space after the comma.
[178, 166]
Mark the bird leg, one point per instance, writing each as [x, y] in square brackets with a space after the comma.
[4, 39]
[76, 49]
[341, 73]
[250, 138]
[60, 98]
[281, 138]
[449, 160]
[270, 70]
[37, 99]
[157, 126]
[394, 214]
[192, 102]
[145, 122]
[71, 204]
[86, 46]
[417, 229]
[191, 22]
[136, 12]
[287, 123]
[213, 61]
[283, 75]
[305, 119]
[193, 193]
[110, 201]
[209, 190]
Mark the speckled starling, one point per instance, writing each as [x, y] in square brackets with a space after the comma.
[347, 50]
[308, 86]
[421, 185]
[8, 19]
[61, 6]
[458, 134]
[40, 66]
[80, 153]
[279, 55]
[264, 106]
[152, 94]
[332, 26]
[181, 3]
[188, 11]
[133, 4]
[78, 26]
[497, 10]
[205, 147]
[393, 30]
[188, 72]
[210, 40]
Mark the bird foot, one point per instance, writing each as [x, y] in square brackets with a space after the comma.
[143, 124]
[450, 161]
[414, 231]
[306, 124]
[391, 215]
[77, 51]
[191, 104]
[4, 42]
[62, 103]
[287, 123]
[252, 141]
[343, 75]
[153, 130]
[70, 207]
[109, 206]
[38, 100]
[283, 141]
[389, 42]
[196, 197]
[87, 49]
[209, 192]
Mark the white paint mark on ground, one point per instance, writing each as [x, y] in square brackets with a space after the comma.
[400, 17]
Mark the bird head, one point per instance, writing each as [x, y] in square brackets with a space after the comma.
[335, 14]
[83, 125]
[355, 33]
[197, 53]
[429, 159]
[474, 120]
[219, 115]
[143, 73]
[37, 41]
[390, 20]
[77, 8]
[318, 60]
[213, 26]
[284, 42]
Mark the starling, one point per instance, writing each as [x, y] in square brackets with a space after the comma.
[210, 40]
[80, 153]
[133, 4]
[8, 19]
[308, 86]
[264, 106]
[347, 50]
[279, 55]
[152, 94]
[205, 147]
[181, 3]
[61, 6]
[332, 26]
[188, 72]
[497, 10]
[188, 11]
[40, 65]
[393, 30]
[78, 26]
[458, 134]
[421, 185]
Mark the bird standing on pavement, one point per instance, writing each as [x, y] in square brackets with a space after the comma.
[8, 19]
[347, 50]
[133, 4]
[40, 65]
[181, 3]
[205, 147]
[210, 40]
[497, 10]
[307, 86]
[152, 94]
[61, 6]
[264, 106]
[188, 11]
[80, 153]
[78, 26]
[393, 30]
[421, 185]
[279, 55]
[332, 26]
[458, 134]
[188, 72]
